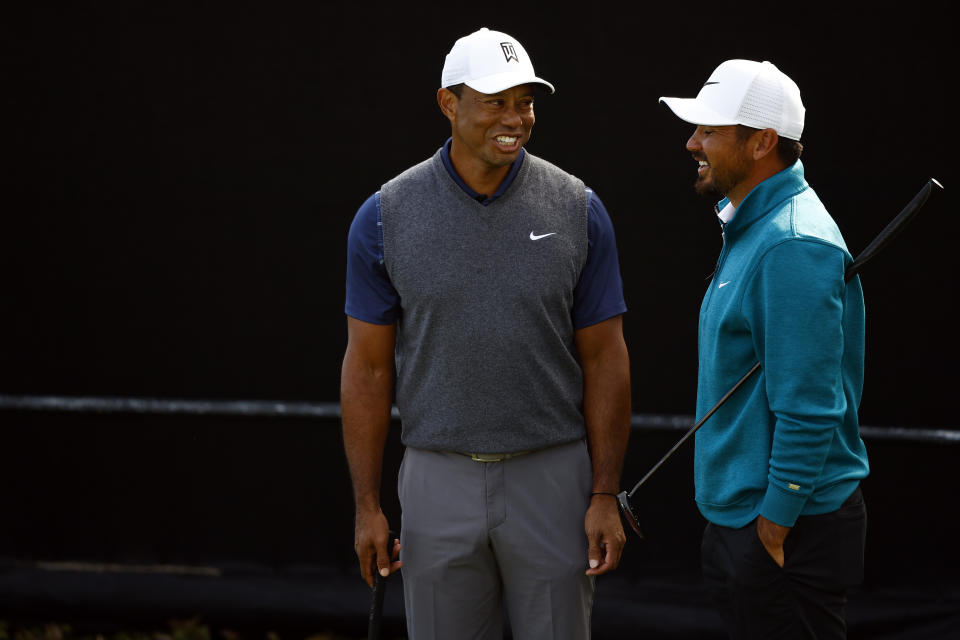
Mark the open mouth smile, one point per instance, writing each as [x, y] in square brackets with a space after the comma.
[507, 142]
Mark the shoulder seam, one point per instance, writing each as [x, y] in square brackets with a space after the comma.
[766, 252]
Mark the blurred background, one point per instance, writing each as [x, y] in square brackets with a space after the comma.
[178, 180]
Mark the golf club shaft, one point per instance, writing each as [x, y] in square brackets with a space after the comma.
[694, 428]
[883, 238]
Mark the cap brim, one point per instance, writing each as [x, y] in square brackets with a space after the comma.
[694, 112]
[497, 82]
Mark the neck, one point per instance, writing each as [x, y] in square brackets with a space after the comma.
[477, 174]
[738, 193]
[761, 171]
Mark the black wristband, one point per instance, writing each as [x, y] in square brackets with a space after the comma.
[602, 493]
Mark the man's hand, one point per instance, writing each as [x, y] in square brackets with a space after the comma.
[772, 536]
[366, 387]
[371, 540]
[606, 411]
[605, 535]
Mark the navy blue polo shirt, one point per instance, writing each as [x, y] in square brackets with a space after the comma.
[372, 298]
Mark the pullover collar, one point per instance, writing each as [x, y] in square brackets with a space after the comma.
[765, 197]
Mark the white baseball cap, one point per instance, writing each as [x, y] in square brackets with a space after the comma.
[489, 62]
[754, 94]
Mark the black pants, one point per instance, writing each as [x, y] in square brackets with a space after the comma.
[757, 599]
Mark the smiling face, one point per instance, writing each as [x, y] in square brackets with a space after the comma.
[488, 129]
[724, 161]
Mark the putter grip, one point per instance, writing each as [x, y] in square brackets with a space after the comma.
[376, 608]
[376, 603]
[892, 229]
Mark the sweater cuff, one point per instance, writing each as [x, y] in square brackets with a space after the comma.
[781, 507]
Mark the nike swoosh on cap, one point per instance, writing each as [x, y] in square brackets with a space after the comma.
[723, 284]
[714, 82]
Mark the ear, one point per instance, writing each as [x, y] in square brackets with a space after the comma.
[448, 103]
[764, 142]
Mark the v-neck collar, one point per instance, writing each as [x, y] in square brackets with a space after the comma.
[482, 198]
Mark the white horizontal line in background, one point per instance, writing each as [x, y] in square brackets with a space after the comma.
[277, 409]
[112, 567]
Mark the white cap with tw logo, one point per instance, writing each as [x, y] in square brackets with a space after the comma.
[489, 62]
[754, 94]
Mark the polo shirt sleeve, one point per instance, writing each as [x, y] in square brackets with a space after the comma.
[371, 297]
[599, 294]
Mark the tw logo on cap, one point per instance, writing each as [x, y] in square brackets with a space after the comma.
[508, 51]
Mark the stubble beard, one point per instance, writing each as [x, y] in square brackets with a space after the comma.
[706, 188]
[723, 179]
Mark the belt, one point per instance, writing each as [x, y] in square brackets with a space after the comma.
[494, 457]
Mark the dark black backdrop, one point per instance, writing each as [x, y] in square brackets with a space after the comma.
[179, 178]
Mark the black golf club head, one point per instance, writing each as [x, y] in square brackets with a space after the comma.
[623, 499]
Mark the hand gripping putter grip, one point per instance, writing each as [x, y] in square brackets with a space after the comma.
[375, 616]
[883, 239]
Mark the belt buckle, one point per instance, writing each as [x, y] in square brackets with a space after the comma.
[489, 457]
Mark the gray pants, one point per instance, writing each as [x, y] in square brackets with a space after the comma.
[480, 535]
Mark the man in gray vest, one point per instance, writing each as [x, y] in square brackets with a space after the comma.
[484, 284]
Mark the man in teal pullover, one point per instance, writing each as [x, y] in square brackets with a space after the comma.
[778, 466]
